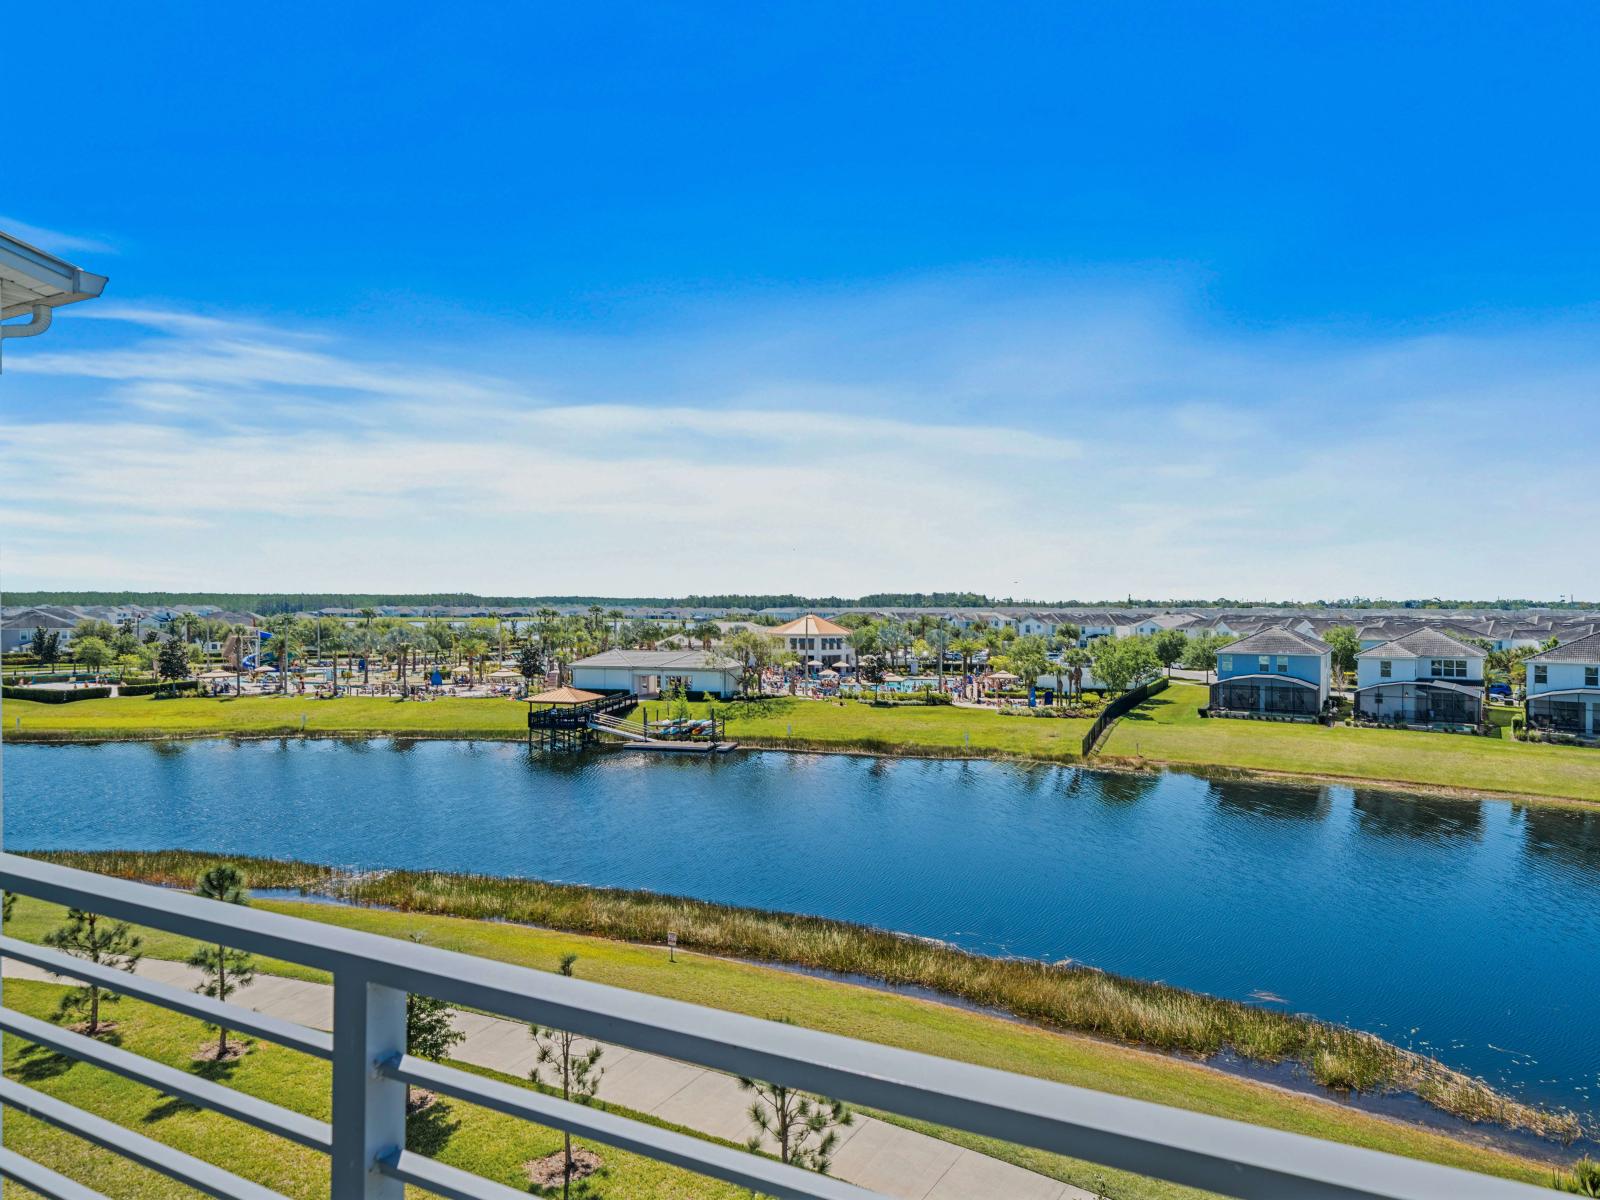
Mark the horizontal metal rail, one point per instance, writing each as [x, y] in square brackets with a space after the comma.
[262, 1114]
[190, 1004]
[47, 1183]
[174, 1164]
[761, 1175]
[1188, 1148]
[418, 1170]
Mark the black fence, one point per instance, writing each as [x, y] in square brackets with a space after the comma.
[1122, 704]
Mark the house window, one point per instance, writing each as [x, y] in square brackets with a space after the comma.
[1449, 668]
[1541, 674]
[1385, 668]
[1264, 664]
[1226, 662]
[1591, 677]
[1283, 664]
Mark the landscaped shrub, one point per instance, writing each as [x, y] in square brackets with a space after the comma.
[55, 695]
[151, 689]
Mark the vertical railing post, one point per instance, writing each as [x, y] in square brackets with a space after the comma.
[369, 1111]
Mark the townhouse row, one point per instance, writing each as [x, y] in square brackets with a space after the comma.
[1423, 679]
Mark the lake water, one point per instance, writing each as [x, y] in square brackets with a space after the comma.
[1469, 930]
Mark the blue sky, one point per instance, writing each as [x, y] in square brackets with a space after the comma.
[1048, 301]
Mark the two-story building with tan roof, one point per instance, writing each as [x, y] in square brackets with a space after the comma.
[815, 640]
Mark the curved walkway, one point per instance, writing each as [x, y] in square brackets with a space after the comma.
[872, 1154]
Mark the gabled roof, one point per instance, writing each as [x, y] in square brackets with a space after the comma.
[810, 626]
[28, 618]
[660, 660]
[1277, 640]
[1423, 643]
[1579, 650]
[1174, 620]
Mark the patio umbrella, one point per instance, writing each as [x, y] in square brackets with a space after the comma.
[999, 675]
[835, 674]
[815, 662]
[505, 673]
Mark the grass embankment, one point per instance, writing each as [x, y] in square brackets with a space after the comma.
[462, 1135]
[135, 717]
[1074, 999]
[1169, 729]
[930, 730]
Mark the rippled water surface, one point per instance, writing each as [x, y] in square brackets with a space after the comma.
[1467, 929]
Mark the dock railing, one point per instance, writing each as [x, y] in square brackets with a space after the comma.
[365, 1140]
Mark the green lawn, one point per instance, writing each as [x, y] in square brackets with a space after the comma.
[900, 1021]
[906, 729]
[454, 1132]
[1169, 729]
[146, 716]
[933, 730]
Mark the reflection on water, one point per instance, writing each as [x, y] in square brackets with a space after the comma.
[1466, 929]
[1570, 836]
[1254, 798]
[1404, 814]
[1116, 787]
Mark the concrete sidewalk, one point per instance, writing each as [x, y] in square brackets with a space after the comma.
[871, 1153]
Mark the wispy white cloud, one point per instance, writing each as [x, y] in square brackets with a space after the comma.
[1037, 444]
[53, 240]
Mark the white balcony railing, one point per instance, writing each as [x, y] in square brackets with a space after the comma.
[365, 1141]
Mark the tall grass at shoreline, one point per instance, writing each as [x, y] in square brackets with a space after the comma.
[1060, 996]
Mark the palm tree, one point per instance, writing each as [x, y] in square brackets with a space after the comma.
[237, 637]
[864, 641]
[547, 618]
[333, 641]
[475, 647]
[1076, 659]
[706, 632]
[398, 642]
[364, 645]
[285, 634]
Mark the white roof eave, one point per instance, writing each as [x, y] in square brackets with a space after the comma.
[30, 277]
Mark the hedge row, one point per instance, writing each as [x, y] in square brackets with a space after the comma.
[55, 695]
[149, 689]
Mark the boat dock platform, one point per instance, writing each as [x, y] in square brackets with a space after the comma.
[680, 747]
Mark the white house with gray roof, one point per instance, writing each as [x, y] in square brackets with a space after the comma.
[1563, 692]
[1425, 677]
[1277, 672]
[650, 673]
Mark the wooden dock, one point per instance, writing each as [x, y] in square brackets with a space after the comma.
[680, 747]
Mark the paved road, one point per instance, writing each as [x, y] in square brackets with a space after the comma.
[873, 1154]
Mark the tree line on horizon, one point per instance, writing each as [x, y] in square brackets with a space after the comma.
[272, 603]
